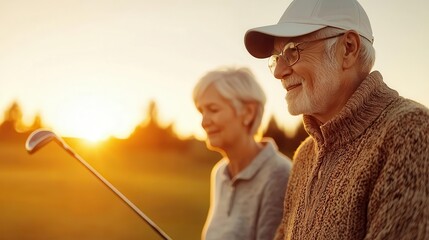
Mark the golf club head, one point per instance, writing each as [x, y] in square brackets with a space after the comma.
[38, 139]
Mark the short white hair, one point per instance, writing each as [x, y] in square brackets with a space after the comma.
[239, 86]
[366, 56]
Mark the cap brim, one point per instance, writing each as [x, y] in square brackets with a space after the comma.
[259, 41]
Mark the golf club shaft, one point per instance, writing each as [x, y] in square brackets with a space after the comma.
[116, 191]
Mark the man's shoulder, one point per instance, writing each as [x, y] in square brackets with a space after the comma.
[407, 114]
[406, 105]
[405, 125]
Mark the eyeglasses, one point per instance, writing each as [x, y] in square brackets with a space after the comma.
[291, 53]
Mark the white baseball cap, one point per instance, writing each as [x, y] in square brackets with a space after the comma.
[306, 16]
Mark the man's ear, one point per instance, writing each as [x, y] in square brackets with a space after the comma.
[351, 45]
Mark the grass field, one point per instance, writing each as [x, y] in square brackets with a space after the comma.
[50, 195]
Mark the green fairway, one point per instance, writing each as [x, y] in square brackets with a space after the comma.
[50, 195]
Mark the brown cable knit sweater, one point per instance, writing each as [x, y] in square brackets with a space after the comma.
[365, 173]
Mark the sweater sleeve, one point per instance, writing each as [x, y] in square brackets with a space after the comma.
[398, 206]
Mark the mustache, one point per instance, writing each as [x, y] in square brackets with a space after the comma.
[291, 80]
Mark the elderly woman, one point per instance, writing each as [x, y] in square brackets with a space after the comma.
[249, 182]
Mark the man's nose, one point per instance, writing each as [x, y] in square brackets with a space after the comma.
[282, 69]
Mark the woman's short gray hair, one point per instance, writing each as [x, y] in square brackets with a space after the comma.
[239, 86]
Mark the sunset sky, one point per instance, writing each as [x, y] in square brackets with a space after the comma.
[91, 67]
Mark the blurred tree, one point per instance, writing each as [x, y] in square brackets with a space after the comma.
[14, 113]
[11, 123]
[296, 140]
[152, 112]
[151, 135]
[287, 144]
[37, 123]
[273, 130]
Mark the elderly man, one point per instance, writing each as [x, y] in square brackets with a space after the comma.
[364, 171]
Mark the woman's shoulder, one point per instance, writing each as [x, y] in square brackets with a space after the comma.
[281, 161]
[277, 165]
[278, 159]
[219, 166]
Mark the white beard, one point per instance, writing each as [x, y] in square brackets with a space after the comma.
[315, 99]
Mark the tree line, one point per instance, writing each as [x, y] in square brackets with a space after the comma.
[149, 135]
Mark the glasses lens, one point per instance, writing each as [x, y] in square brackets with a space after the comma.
[272, 62]
[290, 54]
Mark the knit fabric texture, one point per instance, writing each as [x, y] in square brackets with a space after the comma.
[364, 174]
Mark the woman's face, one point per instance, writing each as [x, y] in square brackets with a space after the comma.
[223, 125]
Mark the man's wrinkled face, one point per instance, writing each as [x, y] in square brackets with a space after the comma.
[312, 82]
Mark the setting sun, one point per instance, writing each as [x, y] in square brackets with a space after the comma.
[88, 117]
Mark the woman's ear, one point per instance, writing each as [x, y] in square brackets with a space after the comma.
[351, 45]
[249, 113]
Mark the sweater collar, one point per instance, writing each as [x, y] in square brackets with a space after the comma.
[360, 111]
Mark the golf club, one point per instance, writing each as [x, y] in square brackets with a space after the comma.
[41, 137]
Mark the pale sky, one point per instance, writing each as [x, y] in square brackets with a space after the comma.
[90, 67]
